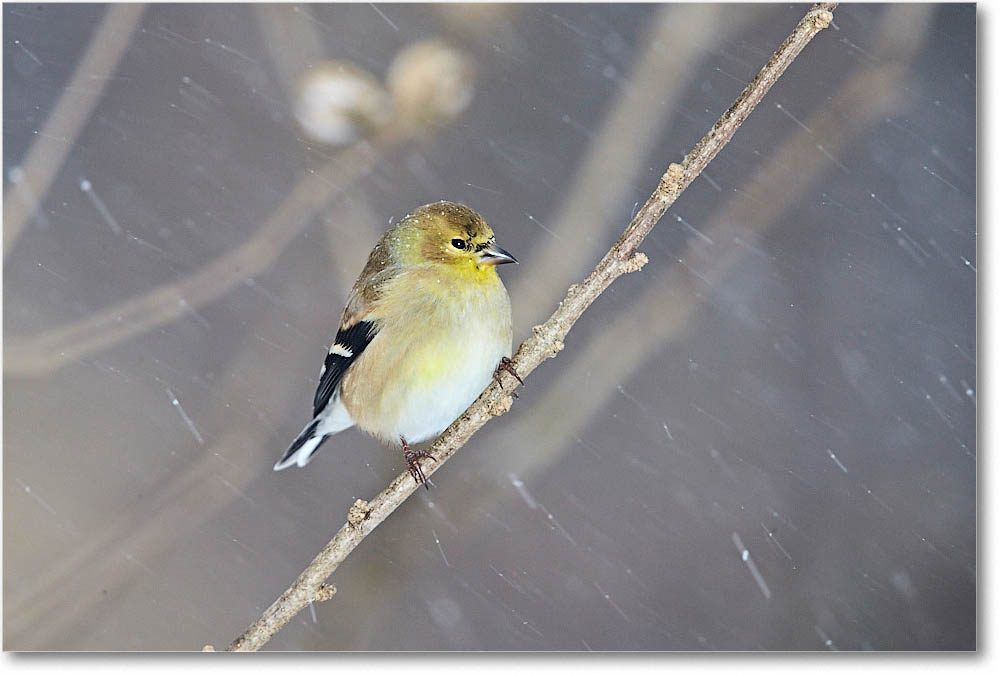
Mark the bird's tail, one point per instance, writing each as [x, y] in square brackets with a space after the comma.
[304, 447]
[330, 420]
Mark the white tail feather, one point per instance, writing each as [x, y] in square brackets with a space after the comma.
[332, 419]
[302, 455]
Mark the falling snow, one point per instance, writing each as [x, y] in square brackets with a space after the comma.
[766, 440]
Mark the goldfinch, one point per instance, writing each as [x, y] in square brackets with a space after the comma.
[426, 327]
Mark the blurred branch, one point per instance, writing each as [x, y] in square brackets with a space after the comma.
[295, 46]
[864, 99]
[445, 80]
[32, 179]
[663, 68]
[216, 475]
[107, 560]
[38, 613]
[546, 342]
[55, 347]
[213, 477]
[546, 432]
[292, 41]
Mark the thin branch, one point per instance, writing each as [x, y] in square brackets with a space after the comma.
[546, 342]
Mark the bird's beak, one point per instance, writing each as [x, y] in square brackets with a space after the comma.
[494, 255]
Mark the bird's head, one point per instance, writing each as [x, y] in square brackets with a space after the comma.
[454, 234]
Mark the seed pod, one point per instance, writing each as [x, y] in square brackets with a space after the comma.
[431, 82]
[338, 103]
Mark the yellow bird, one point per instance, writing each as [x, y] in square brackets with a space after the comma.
[426, 327]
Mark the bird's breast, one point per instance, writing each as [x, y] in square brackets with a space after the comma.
[431, 359]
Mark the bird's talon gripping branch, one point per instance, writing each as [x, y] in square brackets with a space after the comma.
[506, 365]
[413, 466]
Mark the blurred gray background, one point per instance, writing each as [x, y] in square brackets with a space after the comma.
[764, 440]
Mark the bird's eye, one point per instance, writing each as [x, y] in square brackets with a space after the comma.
[458, 243]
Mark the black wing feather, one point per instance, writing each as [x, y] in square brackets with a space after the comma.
[355, 339]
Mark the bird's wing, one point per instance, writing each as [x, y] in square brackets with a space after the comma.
[346, 348]
[358, 327]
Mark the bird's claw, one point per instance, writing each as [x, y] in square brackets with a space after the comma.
[413, 466]
[506, 365]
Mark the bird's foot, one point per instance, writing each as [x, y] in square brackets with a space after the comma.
[506, 365]
[413, 466]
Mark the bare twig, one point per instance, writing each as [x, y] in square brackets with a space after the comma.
[545, 343]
